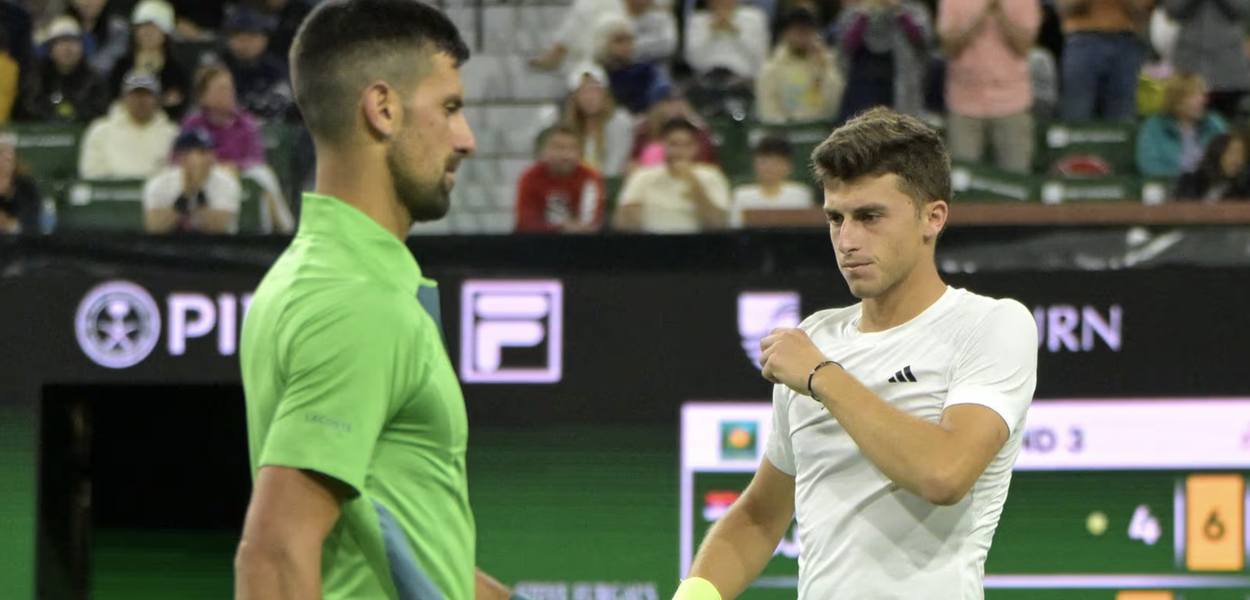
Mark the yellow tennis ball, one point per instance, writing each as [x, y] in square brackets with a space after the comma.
[1096, 523]
[739, 438]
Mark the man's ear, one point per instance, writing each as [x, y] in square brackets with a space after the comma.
[383, 110]
[934, 215]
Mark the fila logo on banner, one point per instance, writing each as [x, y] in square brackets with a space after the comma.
[511, 331]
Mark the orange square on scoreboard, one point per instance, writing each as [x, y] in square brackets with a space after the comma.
[1144, 595]
[1215, 523]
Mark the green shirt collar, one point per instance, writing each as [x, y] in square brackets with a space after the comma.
[369, 247]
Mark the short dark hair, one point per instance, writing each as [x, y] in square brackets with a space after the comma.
[880, 141]
[554, 130]
[343, 45]
[678, 124]
[774, 145]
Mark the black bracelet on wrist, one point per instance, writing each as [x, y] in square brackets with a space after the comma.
[812, 376]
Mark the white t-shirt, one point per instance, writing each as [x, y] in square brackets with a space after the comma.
[667, 206]
[743, 52]
[751, 197]
[862, 535]
[222, 191]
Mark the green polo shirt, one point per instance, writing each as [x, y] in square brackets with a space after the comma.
[346, 374]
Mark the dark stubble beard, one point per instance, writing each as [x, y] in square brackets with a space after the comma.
[426, 200]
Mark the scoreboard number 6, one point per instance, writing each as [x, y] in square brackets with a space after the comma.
[1144, 526]
[1213, 528]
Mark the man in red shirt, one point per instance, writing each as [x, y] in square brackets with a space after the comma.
[559, 193]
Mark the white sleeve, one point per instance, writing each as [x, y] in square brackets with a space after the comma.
[224, 191]
[997, 367]
[780, 452]
[716, 185]
[698, 38]
[635, 188]
[162, 190]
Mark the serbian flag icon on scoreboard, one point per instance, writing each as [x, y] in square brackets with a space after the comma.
[717, 502]
[739, 440]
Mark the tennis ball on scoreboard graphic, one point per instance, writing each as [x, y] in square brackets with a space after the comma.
[1096, 523]
[739, 440]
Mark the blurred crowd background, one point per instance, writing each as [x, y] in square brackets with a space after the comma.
[626, 115]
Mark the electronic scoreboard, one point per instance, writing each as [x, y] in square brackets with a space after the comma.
[1109, 500]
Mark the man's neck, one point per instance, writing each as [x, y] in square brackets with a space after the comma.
[219, 118]
[903, 303]
[364, 183]
[770, 189]
[140, 122]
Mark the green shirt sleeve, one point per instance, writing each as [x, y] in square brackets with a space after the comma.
[341, 359]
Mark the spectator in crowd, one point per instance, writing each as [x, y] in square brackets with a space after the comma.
[261, 78]
[1102, 57]
[727, 41]
[801, 81]
[604, 129]
[106, 35]
[132, 141]
[1211, 43]
[16, 22]
[237, 136]
[885, 44]
[680, 196]
[648, 145]
[655, 31]
[10, 78]
[153, 23]
[1221, 175]
[288, 15]
[62, 88]
[21, 206]
[560, 193]
[772, 188]
[575, 40]
[199, 19]
[1172, 142]
[239, 142]
[194, 194]
[632, 82]
[988, 83]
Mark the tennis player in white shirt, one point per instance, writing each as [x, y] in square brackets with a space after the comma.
[896, 421]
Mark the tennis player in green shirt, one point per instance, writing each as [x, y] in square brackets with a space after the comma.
[356, 423]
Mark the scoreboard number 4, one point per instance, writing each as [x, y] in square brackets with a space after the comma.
[1144, 526]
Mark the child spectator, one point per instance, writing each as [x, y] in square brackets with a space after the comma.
[559, 193]
[886, 45]
[194, 194]
[801, 81]
[62, 88]
[132, 141]
[648, 145]
[679, 196]
[772, 188]
[153, 23]
[21, 206]
[1172, 142]
[988, 84]
[1222, 174]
